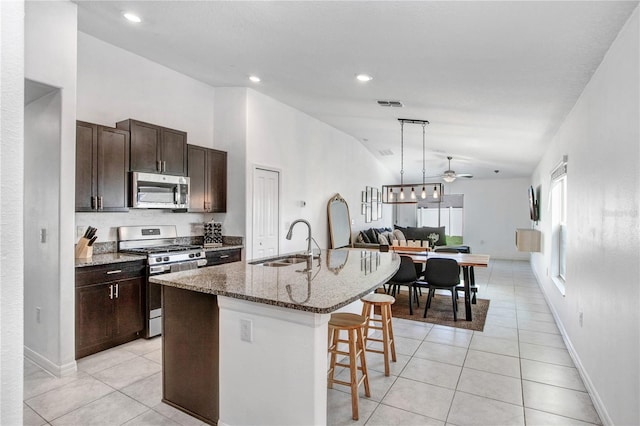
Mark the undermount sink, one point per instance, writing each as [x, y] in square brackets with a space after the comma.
[283, 261]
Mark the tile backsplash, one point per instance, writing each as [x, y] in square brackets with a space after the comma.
[187, 224]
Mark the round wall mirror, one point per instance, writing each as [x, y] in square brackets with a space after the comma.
[339, 222]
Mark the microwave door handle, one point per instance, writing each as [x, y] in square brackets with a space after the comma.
[176, 194]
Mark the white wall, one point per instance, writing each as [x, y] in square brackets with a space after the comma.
[493, 210]
[114, 84]
[41, 206]
[50, 58]
[230, 112]
[11, 207]
[316, 162]
[601, 138]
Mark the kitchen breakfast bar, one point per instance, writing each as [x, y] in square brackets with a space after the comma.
[246, 342]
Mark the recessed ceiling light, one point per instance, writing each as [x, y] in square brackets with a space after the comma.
[364, 77]
[132, 17]
[254, 78]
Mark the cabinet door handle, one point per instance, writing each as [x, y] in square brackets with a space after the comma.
[115, 271]
[117, 290]
[159, 165]
[164, 166]
[93, 202]
[100, 202]
[111, 291]
[224, 256]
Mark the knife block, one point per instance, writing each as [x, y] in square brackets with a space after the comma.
[83, 249]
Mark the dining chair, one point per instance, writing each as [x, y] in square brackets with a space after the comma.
[442, 274]
[406, 275]
[463, 249]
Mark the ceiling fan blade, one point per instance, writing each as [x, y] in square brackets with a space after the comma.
[464, 175]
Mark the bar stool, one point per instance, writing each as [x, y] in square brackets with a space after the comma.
[384, 301]
[352, 324]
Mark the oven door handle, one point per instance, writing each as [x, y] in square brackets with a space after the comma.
[158, 269]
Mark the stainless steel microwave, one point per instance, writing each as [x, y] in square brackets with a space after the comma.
[156, 191]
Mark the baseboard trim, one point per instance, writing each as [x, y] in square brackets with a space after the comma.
[48, 365]
[598, 404]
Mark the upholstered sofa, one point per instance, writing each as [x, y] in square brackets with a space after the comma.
[373, 237]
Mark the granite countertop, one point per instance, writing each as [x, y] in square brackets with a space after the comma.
[344, 275]
[116, 257]
[225, 247]
[106, 258]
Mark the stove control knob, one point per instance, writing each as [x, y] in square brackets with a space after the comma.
[197, 254]
[166, 259]
[191, 255]
[158, 259]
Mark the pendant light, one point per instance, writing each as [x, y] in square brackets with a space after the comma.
[401, 160]
[395, 194]
[424, 191]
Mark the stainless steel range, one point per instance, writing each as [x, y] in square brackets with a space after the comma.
[164, 254]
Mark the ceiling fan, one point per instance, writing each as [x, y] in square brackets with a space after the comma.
[450, 175]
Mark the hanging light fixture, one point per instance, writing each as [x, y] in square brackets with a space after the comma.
[401, 160]
[424, 192]
[395, 194]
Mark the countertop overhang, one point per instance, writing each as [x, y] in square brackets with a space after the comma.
[337, 278]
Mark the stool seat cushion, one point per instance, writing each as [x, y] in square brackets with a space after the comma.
[378, 298]
[346, 320]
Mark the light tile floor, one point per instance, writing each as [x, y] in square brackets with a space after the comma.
[517, 371]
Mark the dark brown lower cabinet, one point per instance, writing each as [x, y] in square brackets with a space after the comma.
[108, 306]
[190, 352]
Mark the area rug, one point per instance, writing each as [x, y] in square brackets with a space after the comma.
[441, 312]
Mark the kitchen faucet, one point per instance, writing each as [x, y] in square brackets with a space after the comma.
[290, 233]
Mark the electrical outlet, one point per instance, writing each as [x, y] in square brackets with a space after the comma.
[246, 330]
[38, 310]
[43, 235]
[580, 318]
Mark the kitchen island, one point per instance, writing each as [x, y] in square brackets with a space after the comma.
[246, 343]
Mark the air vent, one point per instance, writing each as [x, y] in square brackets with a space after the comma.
[395, 104]
[385, 152]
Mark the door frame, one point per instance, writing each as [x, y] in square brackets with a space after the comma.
[254, 168]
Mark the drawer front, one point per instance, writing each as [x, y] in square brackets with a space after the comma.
[105, 273]
[223, 256]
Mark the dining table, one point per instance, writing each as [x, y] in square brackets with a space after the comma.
[465, 260]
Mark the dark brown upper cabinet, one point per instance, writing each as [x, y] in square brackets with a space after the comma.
[102, 165]
[156, 149]
[208, 179]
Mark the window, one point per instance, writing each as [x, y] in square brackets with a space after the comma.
[559, 225]
[449, 213]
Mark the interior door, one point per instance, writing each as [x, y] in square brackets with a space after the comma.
[266, 214]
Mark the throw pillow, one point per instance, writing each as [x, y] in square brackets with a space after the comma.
[372, 234]
[398, 235]
[382, 239]
[363, 236]
[388, 236]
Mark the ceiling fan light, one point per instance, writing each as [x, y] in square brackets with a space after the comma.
[448, 178]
